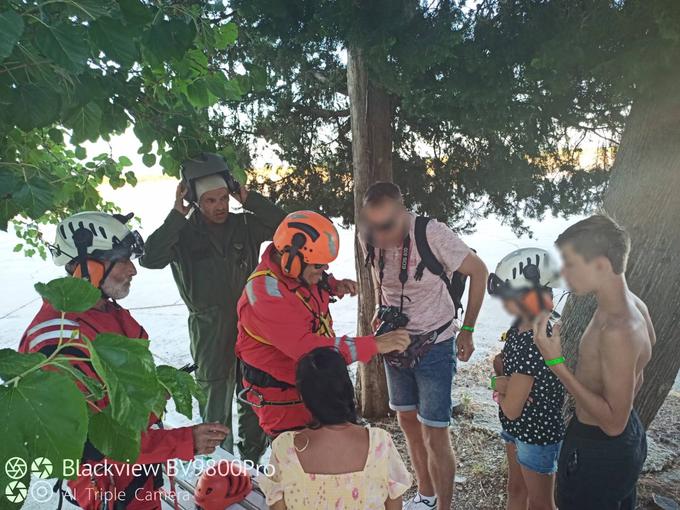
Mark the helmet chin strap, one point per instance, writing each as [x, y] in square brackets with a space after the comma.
[83, 239]
[107, 271]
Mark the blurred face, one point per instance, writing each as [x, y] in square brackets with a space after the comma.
[581, 276]
[511, 307]
[312, 273]
[215, 205]
[385, 223]
[117, 283]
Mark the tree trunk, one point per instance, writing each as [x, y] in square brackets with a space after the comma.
[371, 116]
[644, 197]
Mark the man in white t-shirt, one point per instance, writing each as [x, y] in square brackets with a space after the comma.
[420, 381]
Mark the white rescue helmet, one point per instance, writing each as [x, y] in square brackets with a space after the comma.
[96, 235]
[523, 270]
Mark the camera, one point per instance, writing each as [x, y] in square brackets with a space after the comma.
[391, 318]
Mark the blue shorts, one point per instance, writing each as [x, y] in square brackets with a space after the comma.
[426, 387]
[539, 458]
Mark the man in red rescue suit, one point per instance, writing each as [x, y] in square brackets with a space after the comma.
[283, 314]
[99, 247]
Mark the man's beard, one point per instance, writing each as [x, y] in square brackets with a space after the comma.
[116, 290]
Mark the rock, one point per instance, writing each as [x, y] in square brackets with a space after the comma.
[665, 503]
[460, 479]
[658, 457]
[670, 477]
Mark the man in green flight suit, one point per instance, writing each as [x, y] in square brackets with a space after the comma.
[212, 252]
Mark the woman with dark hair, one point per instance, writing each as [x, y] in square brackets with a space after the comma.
[334, 462]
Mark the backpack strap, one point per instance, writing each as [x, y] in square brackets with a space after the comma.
[428, 260]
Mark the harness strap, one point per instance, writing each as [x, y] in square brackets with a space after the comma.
[325, 328]
[260, 401]
[256, 377]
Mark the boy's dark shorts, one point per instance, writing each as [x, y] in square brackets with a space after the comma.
[600, 472]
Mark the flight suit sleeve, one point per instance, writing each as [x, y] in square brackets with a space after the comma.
[279, 320]
[160, 445]
[265, 218]
[159, 248]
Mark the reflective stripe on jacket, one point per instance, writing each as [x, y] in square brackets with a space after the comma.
[281, 320]
[157, 445]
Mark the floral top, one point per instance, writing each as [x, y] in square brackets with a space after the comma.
[383, 476]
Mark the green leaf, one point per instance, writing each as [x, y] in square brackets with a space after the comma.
[56, 135]
[125, 161]
[13, 363]
[149, 160]
[116, 40]
[48, 414]
[8, 210]
[223, 88]
[35, 196]
[17, 247]
[80, 152]
[127, 369]
[9, 181]
[69, 294]
[171, 39]
[239, 174]
[198, 94]
[93, 386]
[11, 28]
[135, 12]
[65, 44]
[131, 178]
[85, 122]
[170, 165]
[182, 386]
[91, 9]
[226, 35]
[35, 105]
[233, 90]
[114, 439]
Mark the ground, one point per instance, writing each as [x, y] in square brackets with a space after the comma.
[482, 467]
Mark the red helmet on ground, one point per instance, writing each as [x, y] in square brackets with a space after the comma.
[222, 485]
[305, 237]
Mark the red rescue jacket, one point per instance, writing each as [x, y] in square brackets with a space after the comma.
[157, 445]
[281, 320]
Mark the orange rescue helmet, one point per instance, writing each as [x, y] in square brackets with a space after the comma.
[222, 485]
[305, 237]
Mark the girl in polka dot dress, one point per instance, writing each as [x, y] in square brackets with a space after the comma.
[529, 395]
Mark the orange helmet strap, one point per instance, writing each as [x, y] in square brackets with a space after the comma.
[93, 271]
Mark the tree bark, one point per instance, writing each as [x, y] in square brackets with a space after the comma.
[644, 196]
[371, 110]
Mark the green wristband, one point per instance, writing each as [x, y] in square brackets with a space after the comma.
[555, 361]
[493, 382]
[467, 328]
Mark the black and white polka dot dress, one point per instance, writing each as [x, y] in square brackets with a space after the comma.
[541, 420]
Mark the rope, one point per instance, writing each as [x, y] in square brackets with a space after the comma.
[20, 308]
[156, 306]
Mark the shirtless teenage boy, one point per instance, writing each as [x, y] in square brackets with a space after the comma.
[605, 444]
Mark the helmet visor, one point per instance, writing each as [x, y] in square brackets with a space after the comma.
[130, 247]
[500, 288]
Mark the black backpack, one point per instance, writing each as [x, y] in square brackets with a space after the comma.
[455, 285]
